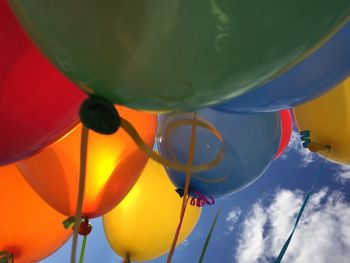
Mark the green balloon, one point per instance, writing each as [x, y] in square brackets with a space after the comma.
[177, 54]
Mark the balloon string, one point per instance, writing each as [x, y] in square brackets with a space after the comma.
[208, 237]
[78, 213]
[131, 131]
[187, 184]
[300, 213]
[82, 251]
[177, 232]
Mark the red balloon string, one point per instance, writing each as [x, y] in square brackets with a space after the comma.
[201, 200]
[197, 199]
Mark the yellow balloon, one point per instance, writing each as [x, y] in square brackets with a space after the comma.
[144, 223]
[328, 120]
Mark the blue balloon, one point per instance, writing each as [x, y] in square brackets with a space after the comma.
[319, 72]
[250, 143]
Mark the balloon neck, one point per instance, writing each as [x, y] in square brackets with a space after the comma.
[99, 115]
[318, 147]
[127, 258]
[6, 257]
[312, 145]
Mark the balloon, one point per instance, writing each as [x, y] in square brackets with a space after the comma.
[312, 77]
[114, 163]
[250, 144]
[37, 103]
[29, 228]
[144, 223]
[286, 131]
[328, 120]
[172, 55]
[13, 40]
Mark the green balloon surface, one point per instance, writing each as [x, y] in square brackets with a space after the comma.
[177, 54]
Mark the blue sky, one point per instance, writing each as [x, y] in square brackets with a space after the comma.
[254, 223]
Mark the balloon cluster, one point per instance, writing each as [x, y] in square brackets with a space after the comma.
[69, 156]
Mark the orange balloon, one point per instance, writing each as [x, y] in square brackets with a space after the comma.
[29, 228]
[114, 163]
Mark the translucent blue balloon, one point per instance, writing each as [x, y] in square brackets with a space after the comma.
[250, 143]
[319, 72]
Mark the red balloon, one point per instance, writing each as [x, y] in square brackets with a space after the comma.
[286, 131]
[37, 103]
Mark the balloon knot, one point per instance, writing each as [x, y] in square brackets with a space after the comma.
[180, 192]
[99, 115]
[127, 258]
[6, 257]
[197, 199]
[311, 145]
[84, 227]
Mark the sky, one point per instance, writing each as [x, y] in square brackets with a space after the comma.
[254, 223]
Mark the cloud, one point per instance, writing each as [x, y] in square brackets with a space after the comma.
[232, 218]
[251, 245]
[185, 243]
[295, 144]
[323, 234]
[343, 174]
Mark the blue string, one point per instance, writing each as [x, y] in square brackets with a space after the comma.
[286, 244]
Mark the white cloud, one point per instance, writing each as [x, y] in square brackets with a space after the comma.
[252, 245]
[232, 218]
[281, 225]
[185, 243]
[296, 145]
[323, 234]
[343, 174]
